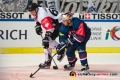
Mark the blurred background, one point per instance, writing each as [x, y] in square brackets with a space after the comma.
[21, 46]
[80, 6]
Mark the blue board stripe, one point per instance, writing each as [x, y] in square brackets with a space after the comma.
[29, 20]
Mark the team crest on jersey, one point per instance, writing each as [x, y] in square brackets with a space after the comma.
[13, 5]
[61, 34]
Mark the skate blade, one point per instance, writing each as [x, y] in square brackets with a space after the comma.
[48, 67]
[86, 71]
[67, 69]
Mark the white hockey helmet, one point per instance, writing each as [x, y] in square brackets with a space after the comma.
[67, 16]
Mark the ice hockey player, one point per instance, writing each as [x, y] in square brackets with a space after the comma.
[49, 20]
[73, 35]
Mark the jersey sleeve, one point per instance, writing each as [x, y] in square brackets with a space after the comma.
[80, 33]
[54, 14]
[45, 19]
[47, 24]
[62, 36]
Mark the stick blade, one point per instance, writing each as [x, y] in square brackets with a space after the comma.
[31, 75]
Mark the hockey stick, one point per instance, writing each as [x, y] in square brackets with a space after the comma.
[31, 75]
[54, 67]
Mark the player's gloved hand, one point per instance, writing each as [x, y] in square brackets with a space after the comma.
[38, 29]
[60, 47]
[64, 44]
[48, 33]
[45, 42]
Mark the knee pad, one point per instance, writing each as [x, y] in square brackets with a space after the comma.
[82, 54]
[46, 51]
[70, 53]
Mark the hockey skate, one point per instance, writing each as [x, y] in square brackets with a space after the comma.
[85, 69]
[61, 52]
[61, 56]
[45, 65]
[70, 66]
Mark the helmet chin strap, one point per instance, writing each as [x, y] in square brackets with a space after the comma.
[68, 23]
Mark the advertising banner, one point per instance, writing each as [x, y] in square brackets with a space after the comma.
[17, 30]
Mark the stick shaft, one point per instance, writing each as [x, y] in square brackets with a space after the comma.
[40, 67]
[36, 71]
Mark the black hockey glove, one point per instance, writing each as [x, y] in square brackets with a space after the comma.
[48, 33]
[45, 42]
[60, 47]
[38, 28]
[64, 44]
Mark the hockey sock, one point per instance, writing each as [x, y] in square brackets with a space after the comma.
[83, 57]
[72, 60]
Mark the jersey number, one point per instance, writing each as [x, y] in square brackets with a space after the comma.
[53, 12]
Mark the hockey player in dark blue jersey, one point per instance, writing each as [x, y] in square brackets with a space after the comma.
[73, 35]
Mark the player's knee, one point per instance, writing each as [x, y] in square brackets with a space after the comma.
[70, 53]
[46, 51]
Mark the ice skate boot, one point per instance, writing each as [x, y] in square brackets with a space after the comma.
[70, 65]
[45, 65]
[61, 56]
[85, 69]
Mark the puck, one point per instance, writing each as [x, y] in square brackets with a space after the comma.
[55, 67]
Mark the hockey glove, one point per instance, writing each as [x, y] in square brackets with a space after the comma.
[48, 33]
[64, 44]
[38, 29]
[45, 42]
[60, 47]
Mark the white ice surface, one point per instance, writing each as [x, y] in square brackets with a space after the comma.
[9, 60]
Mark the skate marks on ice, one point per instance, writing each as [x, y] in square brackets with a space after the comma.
[23, 73]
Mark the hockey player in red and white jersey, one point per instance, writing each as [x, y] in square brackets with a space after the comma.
[49, 20]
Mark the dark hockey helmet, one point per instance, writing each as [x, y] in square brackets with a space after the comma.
[32, 7]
